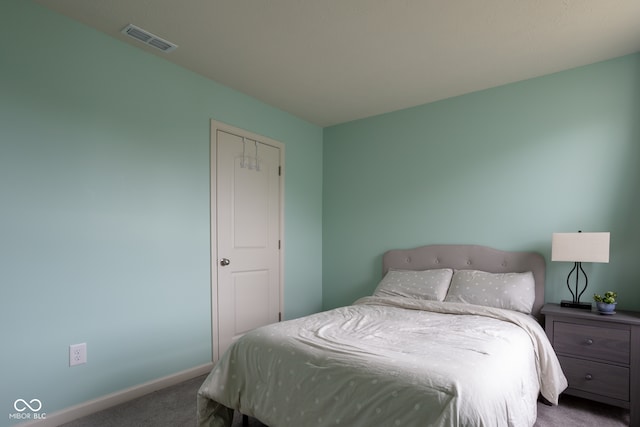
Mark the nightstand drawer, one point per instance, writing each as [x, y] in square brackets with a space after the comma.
[597, 378]
[593, 342]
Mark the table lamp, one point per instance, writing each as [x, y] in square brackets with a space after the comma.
[578, 248]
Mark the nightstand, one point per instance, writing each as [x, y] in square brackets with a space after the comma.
[599, 354]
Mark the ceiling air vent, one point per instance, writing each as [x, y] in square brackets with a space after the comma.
[146, 37]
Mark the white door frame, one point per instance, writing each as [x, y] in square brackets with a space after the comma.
[215, 126]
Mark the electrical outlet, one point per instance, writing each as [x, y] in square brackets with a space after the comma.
[77, 354]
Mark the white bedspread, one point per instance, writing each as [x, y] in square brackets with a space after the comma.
[387, 362]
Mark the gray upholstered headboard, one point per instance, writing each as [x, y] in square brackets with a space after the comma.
[470, 257]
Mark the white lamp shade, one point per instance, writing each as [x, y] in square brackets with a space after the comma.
[580, 247]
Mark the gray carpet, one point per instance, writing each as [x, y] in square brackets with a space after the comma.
[176, 407]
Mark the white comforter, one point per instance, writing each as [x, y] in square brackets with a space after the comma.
[387, 362]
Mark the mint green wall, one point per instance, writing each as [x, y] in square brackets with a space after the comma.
[104, 209]
[504, 167]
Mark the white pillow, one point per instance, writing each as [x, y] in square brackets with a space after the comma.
[513, 291]
[425, 284]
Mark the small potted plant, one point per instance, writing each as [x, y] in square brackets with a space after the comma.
[606, 303]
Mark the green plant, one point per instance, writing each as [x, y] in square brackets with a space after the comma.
[609, 297]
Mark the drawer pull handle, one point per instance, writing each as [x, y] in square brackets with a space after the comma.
[588, 377]
[589, 341]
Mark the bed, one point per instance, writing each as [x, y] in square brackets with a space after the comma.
[450, 337]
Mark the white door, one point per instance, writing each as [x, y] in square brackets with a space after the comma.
[248, 234]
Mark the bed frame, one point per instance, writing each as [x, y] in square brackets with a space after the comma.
[470, 257]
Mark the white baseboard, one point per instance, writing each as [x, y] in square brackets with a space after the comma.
[92, 406]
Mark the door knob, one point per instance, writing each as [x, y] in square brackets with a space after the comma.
[224, 262]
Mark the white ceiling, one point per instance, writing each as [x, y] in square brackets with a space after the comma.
[332, 61]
